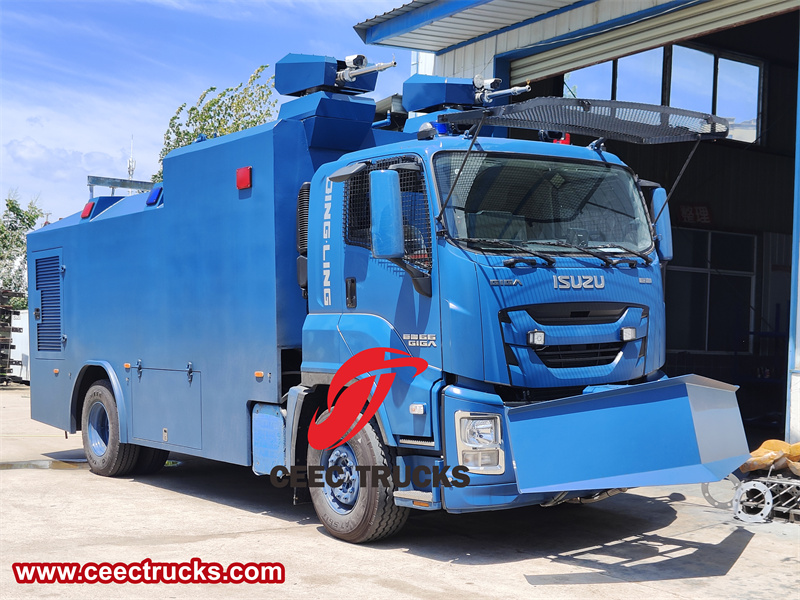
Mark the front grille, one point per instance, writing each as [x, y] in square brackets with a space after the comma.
[573, 313]
[579, 355]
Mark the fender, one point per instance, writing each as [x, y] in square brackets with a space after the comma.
[119, 396]
[294, 409]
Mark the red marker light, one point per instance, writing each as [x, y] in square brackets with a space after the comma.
[244, 178]
[564, 140]
[87, 210]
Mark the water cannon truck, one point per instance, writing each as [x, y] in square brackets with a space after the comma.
[210, 316]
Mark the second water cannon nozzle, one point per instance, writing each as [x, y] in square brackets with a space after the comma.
[487, 90]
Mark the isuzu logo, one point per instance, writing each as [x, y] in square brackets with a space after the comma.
[579, 282]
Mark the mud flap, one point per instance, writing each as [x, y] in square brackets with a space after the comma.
[674, 431]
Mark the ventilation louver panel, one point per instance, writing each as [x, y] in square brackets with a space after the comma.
[48, 282]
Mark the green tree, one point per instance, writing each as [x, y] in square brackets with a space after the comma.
[15, 223]
[573, 90]
[233, 109]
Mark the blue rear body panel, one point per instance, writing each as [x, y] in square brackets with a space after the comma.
[192, 280]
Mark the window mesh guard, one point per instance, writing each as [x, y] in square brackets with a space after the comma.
[416, 217]
[611, 119]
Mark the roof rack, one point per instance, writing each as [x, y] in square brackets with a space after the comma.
[610, 119]
[114, 183]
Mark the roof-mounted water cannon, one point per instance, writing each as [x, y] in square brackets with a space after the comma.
[356, 67]
[305, 74]
[487, 90]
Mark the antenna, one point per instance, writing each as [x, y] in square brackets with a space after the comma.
[131, 166]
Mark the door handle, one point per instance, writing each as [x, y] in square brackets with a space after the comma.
[350, 292]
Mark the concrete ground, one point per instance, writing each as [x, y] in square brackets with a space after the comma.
[648, 543]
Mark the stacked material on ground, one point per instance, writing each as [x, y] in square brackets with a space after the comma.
[774, 494]
[775, 454]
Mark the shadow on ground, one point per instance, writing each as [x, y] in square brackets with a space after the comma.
[617, 539]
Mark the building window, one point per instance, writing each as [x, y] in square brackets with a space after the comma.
[710, 285]
[737, 98]
[639, 77]
[689, 77]
[590, 82]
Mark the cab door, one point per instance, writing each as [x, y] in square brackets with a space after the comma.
[383, 307]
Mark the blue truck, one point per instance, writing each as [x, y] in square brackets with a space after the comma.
[210, 316]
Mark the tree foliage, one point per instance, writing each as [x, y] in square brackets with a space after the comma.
[233, 109]
[15, 223]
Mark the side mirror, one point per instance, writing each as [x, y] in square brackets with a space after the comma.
[663, 225]
[387, 214]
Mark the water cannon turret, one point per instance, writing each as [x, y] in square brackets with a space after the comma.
[428, 93]
[329, 100]
[434, 95]
[304, 74]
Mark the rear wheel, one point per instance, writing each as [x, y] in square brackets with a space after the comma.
[362, 508]
[100, 433]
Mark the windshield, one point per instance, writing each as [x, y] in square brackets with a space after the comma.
[526, 199]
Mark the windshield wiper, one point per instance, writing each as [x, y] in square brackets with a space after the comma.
[641, 255]
[511, 261]
[608, 262]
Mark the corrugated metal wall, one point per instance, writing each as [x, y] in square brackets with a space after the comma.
[584, 50]
[478, 57]
[682, 24]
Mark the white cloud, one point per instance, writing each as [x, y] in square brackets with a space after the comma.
[60, 164]
[52, 138]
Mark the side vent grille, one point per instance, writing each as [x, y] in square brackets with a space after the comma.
[302, 218]
[48, 282]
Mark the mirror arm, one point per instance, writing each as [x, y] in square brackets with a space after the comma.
[678, 179]
[421, 281]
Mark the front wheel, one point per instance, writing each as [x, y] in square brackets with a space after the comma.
[362, 508]
[100, 433]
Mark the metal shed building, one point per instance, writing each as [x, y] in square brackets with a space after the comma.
[732, 290]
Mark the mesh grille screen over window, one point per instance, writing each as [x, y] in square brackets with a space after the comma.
[416, 219]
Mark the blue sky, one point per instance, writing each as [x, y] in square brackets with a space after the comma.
[78, 78]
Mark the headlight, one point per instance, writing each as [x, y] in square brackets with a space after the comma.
[479, 432]
[480, 443]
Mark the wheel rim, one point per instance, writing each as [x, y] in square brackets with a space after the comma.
[343, 498]
[98, 429]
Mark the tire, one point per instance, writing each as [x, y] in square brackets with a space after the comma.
[353, 513]
[100, 433]
[151, 460]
